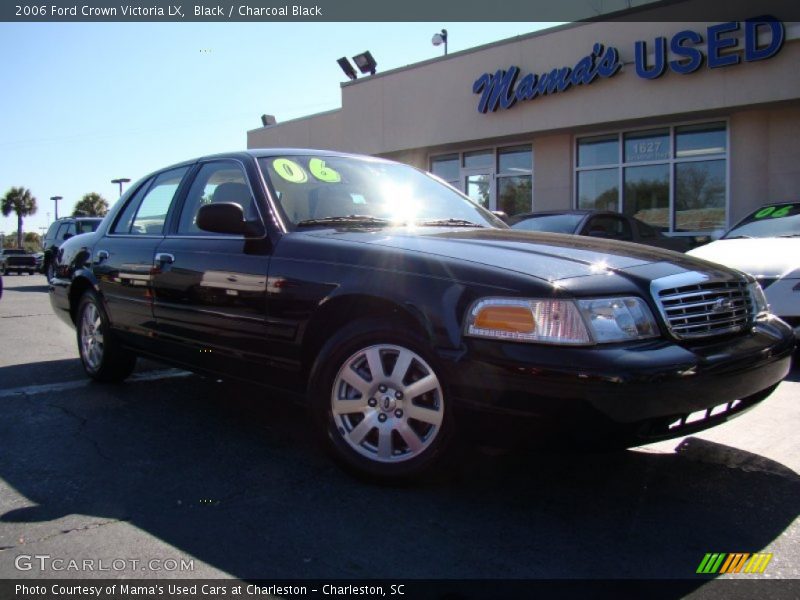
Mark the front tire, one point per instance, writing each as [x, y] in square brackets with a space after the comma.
[102, 356]
[380, 400]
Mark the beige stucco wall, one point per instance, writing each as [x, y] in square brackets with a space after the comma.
[765, 158]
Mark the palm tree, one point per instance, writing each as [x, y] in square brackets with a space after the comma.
[91, 205]
[19, 200]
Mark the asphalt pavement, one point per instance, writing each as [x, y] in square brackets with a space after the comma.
[175, 475]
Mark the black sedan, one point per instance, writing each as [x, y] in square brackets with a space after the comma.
[398, 309]
[602, 224]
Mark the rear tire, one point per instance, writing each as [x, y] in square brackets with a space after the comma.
[102, 356]
[380, 402]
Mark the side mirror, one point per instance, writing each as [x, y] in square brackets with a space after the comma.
[222, 217]
[67, 236]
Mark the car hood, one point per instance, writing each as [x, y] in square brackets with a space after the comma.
[760, 257]
[547, 256]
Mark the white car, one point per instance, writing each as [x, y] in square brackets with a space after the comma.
[766, 244]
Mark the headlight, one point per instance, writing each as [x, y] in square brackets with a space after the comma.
[618, 319]
[759, 300]
[579, 322]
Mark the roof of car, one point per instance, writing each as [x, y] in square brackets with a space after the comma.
[262, 152]
[579, 211]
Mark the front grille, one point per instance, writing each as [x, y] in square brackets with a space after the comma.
[706, 309]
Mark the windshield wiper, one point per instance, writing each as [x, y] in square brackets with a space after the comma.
[790, 235]
[739, 237]
[345, 220]
[448, 223]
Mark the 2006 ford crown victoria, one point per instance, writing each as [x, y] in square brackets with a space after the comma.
[399, 308]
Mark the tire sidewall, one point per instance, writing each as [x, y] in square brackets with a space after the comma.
[335, 352]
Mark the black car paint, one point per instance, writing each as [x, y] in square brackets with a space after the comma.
[294, 289]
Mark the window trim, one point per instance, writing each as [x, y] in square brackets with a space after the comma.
[172, 232]
[671, 162]
[180, 191]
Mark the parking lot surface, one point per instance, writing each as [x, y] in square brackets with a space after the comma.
[175, 475]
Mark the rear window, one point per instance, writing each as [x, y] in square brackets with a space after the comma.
[563, 223]
[88, 226]
[777, 220]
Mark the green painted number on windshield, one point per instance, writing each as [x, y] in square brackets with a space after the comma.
[774, 212]
[323, 173]
[289, 170]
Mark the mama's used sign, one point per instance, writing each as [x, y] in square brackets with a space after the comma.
[504, 88]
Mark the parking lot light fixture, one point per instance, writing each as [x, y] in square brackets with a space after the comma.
[119, 182]
[56, 199]
[365, 62]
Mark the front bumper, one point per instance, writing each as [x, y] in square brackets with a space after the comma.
[635, 389]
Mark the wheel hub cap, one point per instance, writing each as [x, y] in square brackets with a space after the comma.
[387, 403]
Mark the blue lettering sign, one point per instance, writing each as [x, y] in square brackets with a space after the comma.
[763, 38]
[693, 58]
[717, 43]
[721, 46]
[500, 90]
[659, 62]
[752, 51]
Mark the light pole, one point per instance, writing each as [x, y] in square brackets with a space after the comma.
[56, 199]
[120, 181]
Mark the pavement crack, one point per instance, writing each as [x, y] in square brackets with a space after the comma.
[88, 527]
[69, 413]
[80, 433]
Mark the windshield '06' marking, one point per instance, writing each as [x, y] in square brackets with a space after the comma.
[295, 173]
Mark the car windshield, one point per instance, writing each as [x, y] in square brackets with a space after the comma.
[560, 223]
[779, 220]
[346, 191]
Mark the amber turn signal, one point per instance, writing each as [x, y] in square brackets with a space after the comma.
[514, 319]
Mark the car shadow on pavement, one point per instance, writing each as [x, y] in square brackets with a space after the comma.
[239, 483]
[38, 288]
[53, 372]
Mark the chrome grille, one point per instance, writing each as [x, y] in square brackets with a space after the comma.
[706, 309]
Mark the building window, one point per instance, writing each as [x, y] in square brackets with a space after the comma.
[514, 179]
[673, 178]
[497, 179]
[447, 168]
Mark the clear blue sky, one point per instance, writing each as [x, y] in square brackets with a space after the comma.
[84, 103]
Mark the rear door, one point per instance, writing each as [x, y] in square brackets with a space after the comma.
[211, 289]
[123, 258]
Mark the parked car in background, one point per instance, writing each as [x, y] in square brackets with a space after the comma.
[39, 257]
[405, 314]
[61, 230]
[601, 224]
[17, 259]
[766, 244]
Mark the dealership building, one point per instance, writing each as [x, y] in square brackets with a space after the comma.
[685, 125]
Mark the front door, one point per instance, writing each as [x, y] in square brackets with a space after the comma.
[210, 289]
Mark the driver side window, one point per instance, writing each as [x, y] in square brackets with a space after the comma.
[215, 182]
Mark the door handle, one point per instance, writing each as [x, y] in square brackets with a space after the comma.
[164, 258]
[101, 255]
